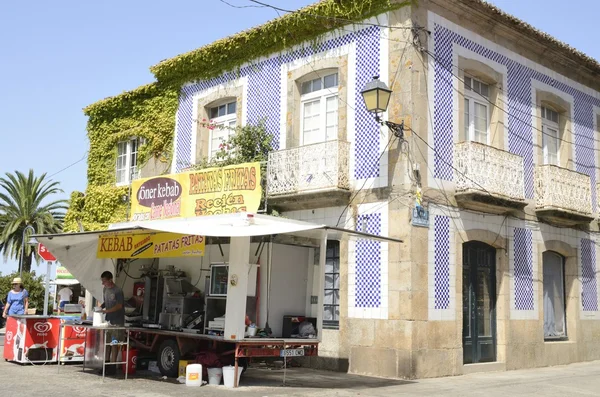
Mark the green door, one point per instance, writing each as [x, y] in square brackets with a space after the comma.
[479, 303]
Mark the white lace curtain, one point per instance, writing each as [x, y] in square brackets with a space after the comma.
[554, 295]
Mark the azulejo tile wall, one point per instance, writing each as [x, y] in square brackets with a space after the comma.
[522, 78]
[441, 230]
[523, 269]
[589, 286]
[520, 75]
[368, 265]
[264, 99]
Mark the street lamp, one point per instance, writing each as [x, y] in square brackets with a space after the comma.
[376, 95]
[32, 241]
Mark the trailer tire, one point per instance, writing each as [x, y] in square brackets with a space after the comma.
[168, 358]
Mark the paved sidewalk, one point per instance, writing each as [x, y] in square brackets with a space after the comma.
[582, 379]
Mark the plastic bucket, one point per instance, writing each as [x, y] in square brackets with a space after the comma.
[251, 331]
[133, 355]
[228, 373]
[193, 375]
[214, 376]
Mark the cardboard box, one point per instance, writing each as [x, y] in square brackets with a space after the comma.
[182, 365]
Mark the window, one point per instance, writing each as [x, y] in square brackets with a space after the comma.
[319, 102]
[127, 166]
[476, 110]
[554, 296]
[331, 304]
[550, 136]
[224, 118]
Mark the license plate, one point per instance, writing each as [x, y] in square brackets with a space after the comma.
[291, 353]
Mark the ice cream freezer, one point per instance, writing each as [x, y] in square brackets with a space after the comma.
[31, 339]
[41, 339]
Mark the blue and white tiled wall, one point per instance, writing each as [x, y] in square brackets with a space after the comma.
[264, 86]
[521, 80]
[368, 265]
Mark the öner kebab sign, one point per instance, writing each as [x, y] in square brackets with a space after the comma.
[209, 191]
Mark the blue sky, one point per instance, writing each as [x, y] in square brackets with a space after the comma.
[58, 57]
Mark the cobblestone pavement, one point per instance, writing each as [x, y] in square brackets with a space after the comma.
[582, 379]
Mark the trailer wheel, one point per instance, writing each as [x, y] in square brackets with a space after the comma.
[168, 358]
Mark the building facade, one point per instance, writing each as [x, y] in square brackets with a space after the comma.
[500, 148]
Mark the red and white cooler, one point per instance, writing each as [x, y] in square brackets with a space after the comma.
[72, 343]
[31, 339]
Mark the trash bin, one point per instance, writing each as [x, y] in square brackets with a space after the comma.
[133, 355]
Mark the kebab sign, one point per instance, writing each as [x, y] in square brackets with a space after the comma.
[211, 191]
[128, 245]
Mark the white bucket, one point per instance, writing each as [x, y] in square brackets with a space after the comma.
[228, 375]
[193, 375]
[215, 375]
[99, 319]
[251, 331]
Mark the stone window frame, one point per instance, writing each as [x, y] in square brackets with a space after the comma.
[548, 125]
[474, 98]
[202, 105]
[487, 74]
[547, 96]
[295, 77]
[322, 95]
[223, 123]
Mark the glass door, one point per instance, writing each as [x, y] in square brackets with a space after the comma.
[479, 303]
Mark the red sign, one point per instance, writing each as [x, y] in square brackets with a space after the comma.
[45, 254]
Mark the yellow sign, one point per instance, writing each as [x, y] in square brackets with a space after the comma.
[210, 191]
[149, 245]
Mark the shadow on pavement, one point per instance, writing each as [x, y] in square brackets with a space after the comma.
[301, 378]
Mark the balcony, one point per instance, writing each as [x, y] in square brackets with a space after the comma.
[488, 179]
[311, 175]
[562, 196]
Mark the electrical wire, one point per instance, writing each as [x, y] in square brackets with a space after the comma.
[235, 6]
[70, 165]
[509, 114]
[376, 164]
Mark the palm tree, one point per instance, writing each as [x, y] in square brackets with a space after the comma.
[23, 202]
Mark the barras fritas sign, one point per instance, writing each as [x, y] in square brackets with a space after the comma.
[210, 191]
[129, 245]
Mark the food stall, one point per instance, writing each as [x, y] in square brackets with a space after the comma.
[287, 271]
[203, 276]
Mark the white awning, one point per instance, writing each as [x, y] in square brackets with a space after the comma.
[77, 251]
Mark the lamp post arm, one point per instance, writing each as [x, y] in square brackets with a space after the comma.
[397, 129]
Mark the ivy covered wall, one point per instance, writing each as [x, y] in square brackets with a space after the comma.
[149, 111]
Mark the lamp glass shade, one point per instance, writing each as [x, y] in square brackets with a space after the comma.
[376, 96]
[370, 98]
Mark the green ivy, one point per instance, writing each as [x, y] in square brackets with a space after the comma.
[148, 112]
[97, 208]
[300, 27]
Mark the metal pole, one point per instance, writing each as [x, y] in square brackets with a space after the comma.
[47, 292]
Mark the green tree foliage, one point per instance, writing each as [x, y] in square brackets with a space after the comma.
[27, 200]
[34, 286]
[247, 144]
